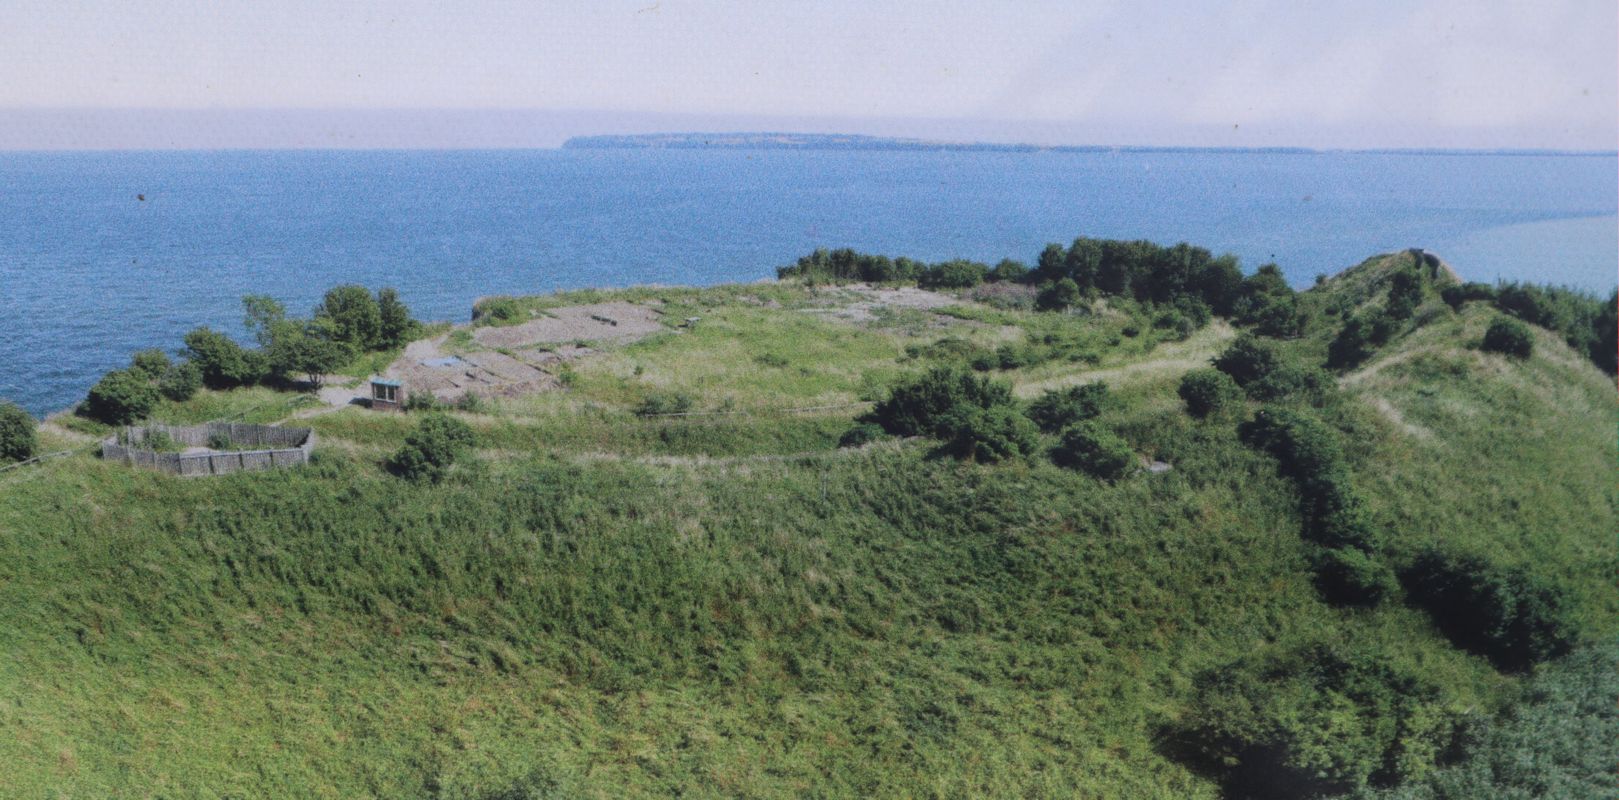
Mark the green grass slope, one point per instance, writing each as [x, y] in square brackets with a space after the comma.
[597, 604]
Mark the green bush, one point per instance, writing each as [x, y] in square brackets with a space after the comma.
[922, 405]
[152, 363]
[1509, 337]
[18, 441]
[1099, 452]
[497, 310]
[1059, 408]
[861, 434]
[1308, 452]
[1509, 615]
[1209, 392]
[421, 401]
[1009, 271]
[988, 435]
[1455, 296]
[1293, 381]
[956, 274]
[471, 403]
[663, 403]
[121, 397]
[1247, 359]
[1058, 295]
[1350, 576]
[220, 441]
[1316, 720]
[1405, 293]
[180, 382]
[432, 448]
[224, 363]
[1359, 337]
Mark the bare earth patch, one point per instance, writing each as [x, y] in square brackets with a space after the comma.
[858, 302]
[614, 322]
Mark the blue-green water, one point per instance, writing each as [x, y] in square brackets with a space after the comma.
[89, 272]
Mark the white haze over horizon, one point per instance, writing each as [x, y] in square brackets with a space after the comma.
[1258, 73]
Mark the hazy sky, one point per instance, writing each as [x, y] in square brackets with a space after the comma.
[1466, 73]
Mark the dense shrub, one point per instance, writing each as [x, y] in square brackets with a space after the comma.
[1509, 337]
[1268, 304]
[422, 401]
[1405, 293]
[847, 265]
[1009, 271]
[1057, 409]
[662, 403]
[224, 363]
[180, 382]
[495, 310]
[1584, 321]
[1058, 295]
[1307, 451]
[922, 405]
[1350, 576]
[1316, 720]
[863, 433]
[121, 397]
[1510, 615]
[988, 435]
[151, 362]
[1359, 337]
[432, 448]
[1455, 296]
[1209, 392]
[1295, 381]
[17, 438]
[1247, 359]
[1096, 451]
[956, 274]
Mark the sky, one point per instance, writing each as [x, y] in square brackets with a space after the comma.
[1370, 73]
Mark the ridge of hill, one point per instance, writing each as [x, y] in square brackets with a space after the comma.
[605, 599]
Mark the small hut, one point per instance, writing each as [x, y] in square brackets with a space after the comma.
[387, 394]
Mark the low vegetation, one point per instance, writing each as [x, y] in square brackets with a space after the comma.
[788, 553]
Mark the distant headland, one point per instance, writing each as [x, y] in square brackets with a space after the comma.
[845, 141]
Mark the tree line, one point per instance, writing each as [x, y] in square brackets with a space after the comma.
[291, 351]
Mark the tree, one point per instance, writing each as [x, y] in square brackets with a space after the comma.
[957, 274]
[1058, 296]
[354, 314]
[1092, 449]
[1360, 335]
[397, 327]
[432, 448]
[223, 362]
[1050, 266]
[18, 441]
[1509, 337]
[121, 397]
[305, 348]
[260, 314]
[1209, 392]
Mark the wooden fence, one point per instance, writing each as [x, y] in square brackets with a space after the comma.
[282, 447]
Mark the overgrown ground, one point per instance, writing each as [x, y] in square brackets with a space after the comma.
[601, 604]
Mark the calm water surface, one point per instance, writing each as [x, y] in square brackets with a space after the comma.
[89, 272]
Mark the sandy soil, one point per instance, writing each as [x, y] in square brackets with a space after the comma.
[615, 322]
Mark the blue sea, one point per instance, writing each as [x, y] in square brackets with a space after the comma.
[102, 254]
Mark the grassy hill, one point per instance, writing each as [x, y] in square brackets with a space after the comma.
[597, 603]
